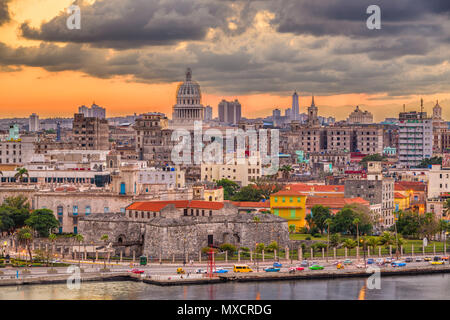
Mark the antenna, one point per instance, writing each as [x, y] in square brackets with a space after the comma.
[421, 108]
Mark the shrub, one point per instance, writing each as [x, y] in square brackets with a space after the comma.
[207, 249]
[308, 238]
[272, 246]
[245, 249]
[231, 249]
[316, 235]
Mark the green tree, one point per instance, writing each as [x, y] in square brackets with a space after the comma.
[319, 215]
[428, 225]
[373, 242]
[266, 187]
[105, 239]
[229, 188]
[18, 209]
[21, 173]
[446, 208]
[248, 193]
[43, 221]
[425, 163]
[291, 228]
[25, 237]
[335, 240]
[349, 243]
[371, 157]
[79, 238]
[272, 246]
[6, 221]
[408, 223]
[286, 170]
[52, 238]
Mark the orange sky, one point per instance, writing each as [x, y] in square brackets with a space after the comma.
[51, 94]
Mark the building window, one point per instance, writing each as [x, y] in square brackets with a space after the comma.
[60, 210]
[276, 212]
[106, 209]
[88, 210]
[292, 213]
[75, 210]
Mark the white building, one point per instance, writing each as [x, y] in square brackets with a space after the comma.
[94, 111]
[360, 117]
[19, 151]
[242, 173]
[438, 181]
[415, 141]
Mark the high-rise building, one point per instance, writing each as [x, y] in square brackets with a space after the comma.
[295, 108]
[230, 111]
[208, 113]
[415, 141]
[439, 129]
[34, 123]
[153, 138]
[90, 133]
[94, 111]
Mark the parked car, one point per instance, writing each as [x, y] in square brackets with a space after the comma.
[418, 259]
[347, 261]
[427, 259]
[445, 258]
[277, 265]
[271, 269]
[380, 262]
[137, 271]
[359, 266]
[220, 270]
[370, 261]
[200, 271]
[389, 260]
[296, 268]
[398, 264]
[437, 262]
[180, 271]
[316, 267]
[408, 259]
[339, 266]
[304, 264]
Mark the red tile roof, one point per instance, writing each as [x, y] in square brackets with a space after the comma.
[334, 202]
[399, 195]
[289, 193]
[251, 204]
[315, 188]
[409, 185]
[156, 206]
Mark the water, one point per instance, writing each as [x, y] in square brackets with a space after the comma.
[402, 287]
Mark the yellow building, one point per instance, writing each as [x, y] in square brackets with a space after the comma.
[401, 202]
[290, 205]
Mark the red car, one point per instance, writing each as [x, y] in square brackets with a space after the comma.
[137, 271]
[297, 268]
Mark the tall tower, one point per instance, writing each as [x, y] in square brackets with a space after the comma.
[295, 107]
[437, 111]
[312, 113]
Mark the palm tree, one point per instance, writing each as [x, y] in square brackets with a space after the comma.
[105, 239]
[446, 207]
[25, 237]
[328, 222]
[21, 173]
[373, 242]
[256, 220]
[356, 222]
[52, 238]
[80, 239]
[286, 169]
[349, 243]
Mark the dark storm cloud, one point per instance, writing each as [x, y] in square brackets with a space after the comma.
[4, 12]
[312, 46]
[124, 24]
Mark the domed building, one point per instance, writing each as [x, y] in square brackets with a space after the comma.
[188, 107]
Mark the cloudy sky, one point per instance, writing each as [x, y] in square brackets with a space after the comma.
[129, 55]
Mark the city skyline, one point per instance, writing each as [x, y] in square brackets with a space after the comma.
[270, 56]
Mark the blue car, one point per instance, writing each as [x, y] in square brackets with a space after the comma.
[370, 261]
[272, 269]
[220, 271]
[398, 264]
[277, 265]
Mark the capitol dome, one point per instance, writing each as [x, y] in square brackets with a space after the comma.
[188, 107]
[188, 92]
